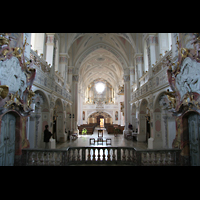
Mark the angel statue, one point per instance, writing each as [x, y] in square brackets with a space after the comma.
[171, 97]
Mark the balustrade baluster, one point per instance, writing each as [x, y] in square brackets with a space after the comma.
[172, 158]
[108, 155]
[169, 158]
[124, 155]
[58, 160]
[93, 156]
[30, 158]
[83, 154]
[78, 155]
[53, 158]
[150, 158]
[36, 159]
[160, 159]
[89, 156]
[99, 155]
[104, 154]
[46, 161]
[134, 159]
[165, 158]
[129, 155]
[73, 154]
[42, 158]
[154, 158]
[145, 158]
[113, 155]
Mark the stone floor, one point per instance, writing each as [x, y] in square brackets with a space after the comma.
[119, 140]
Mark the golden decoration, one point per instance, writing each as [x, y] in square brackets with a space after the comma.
[30, 95]
[122, 107]
[121, 90]
[4, 40]
[184, 55]
[4, 89]
[15, 98]
[171, 97]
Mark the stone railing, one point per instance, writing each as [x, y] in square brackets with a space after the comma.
[43, 76]
[59, 79]
[100, 155]
[144, 79]
[161, 63]
[39, 61]
[159, 79]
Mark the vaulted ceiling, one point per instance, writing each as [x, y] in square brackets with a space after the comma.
[101, 55]
[101, 64]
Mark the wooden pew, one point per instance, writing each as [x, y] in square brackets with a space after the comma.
[90, 128]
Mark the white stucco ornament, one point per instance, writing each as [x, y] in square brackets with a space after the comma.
[188, 78]
[12, 75]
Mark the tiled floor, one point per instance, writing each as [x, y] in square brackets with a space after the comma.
[83, 140]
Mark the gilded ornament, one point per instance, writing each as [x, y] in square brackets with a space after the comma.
[171, 97]
[4, 89]
[13, 99]
[184, 55]
[30, 95]
[121, 90]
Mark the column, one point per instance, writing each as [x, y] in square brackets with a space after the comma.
[137, 115]
[50, 43]
[75, 101]
[80, 110]
[37, 121]
[132, 75]
[152, 51]
[126, 102]
[69, 80]
[63, 66]
[139, 64]
[136, 74]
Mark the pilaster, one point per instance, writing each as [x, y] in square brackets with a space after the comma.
[126, 101]
[63, 66]
[75, 101]
[132, 75]
[152, 47]
[50, 43]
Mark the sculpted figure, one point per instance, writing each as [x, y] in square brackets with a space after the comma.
[171, 97]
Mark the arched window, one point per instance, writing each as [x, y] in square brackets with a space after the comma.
[38, 42]
[165, 42]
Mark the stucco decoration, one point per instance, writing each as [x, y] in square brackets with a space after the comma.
[12, 75]
[188, 78]
[18, 74]
[183, 76]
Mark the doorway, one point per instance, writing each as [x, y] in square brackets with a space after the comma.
[7, 140]
[98, 119]
[148, 133]
[54, 128]
[194, 138]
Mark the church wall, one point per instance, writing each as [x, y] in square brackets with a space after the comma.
[15, 82]
[172, 122]
[151, 85]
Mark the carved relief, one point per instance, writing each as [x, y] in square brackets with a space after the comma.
[188, 78]
[12, 75]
